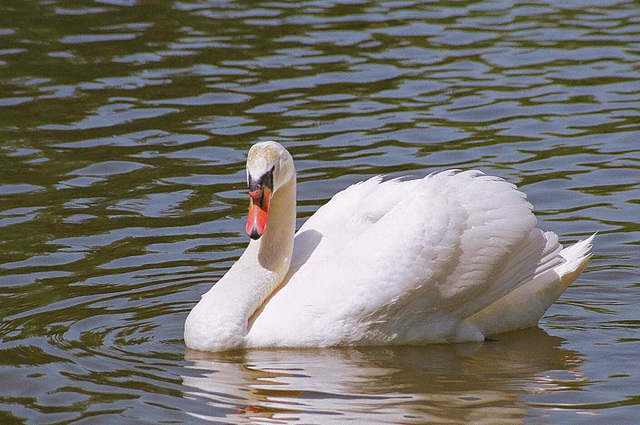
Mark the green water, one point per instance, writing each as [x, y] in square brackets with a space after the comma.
[123, 132]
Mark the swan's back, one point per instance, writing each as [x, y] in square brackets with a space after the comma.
[413, 261]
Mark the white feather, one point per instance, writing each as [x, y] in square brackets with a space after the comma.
[454, 256]
[407, 262]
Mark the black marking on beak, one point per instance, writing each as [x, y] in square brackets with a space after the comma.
[254, 234]
[266, 179]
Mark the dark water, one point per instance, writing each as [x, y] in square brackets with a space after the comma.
[124, 126]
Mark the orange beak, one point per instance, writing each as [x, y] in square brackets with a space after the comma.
[258, 212]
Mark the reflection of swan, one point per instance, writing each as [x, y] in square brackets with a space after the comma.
[366, 385]
[451, 257]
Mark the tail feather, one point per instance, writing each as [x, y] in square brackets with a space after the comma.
[576, 258]
[524, 306]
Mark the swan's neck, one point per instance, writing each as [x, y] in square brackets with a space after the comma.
[221, 319]
[274, 248]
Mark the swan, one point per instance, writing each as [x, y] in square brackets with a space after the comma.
[452, 257]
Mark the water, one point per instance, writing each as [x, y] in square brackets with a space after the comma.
[124, 126]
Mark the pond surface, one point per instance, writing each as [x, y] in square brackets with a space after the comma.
[124, 129]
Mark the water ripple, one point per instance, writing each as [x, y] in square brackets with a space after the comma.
[125, 129]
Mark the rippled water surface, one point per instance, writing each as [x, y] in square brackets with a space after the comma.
[124, 128]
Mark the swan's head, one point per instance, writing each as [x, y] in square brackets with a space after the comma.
[269, 167]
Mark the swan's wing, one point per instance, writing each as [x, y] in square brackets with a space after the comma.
[438, 253]
[349, 213]
[410, 258]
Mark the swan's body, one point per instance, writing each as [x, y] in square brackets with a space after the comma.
[454, 256]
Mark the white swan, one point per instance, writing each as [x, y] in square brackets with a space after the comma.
[454, 256]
